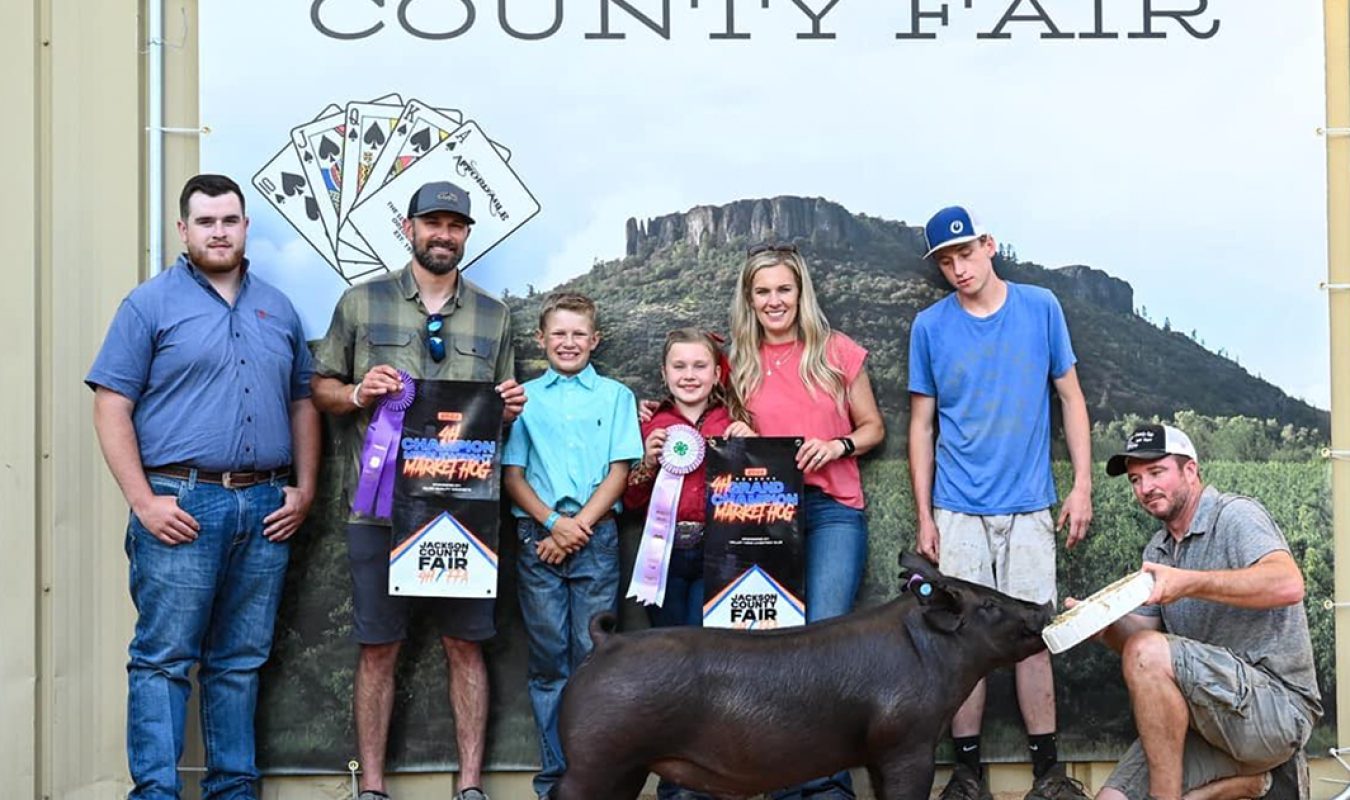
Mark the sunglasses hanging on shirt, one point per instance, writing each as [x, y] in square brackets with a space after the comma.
[435, 343]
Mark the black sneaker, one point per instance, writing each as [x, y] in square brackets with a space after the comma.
[965, 785]
[1056, 785]
[1289, 781]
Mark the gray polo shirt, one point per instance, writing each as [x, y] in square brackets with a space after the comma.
[1232, 532]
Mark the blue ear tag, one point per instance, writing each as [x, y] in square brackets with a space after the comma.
[919, 586]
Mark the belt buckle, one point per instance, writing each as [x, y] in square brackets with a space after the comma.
[688, 535]
[227, 480]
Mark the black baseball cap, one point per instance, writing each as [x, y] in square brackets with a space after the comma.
[439, 196]
[1149, 443]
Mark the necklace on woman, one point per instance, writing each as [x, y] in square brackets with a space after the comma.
[778, 362]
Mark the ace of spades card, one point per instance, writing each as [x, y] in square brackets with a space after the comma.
[501, 203]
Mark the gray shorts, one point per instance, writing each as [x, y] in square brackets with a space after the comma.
[381, 618]
[1013, 553]
[1243, 721]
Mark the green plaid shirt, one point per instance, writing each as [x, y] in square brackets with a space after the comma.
[383, 321]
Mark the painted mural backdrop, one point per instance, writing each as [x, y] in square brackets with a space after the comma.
[1155, 164]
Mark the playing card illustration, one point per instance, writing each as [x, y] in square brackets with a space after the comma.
[414, 123]
[418, 130]
[344, 180]
[319, 144]
[283, 183]
[501, 202]
[367, 130]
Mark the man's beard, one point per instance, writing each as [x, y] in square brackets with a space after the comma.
[1176, 503]
[209, 260]
[437, 263]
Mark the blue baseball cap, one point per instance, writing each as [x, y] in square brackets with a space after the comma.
[952, 225]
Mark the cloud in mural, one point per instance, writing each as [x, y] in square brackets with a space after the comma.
[343, 180]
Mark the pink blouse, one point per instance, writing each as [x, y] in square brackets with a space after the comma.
[782, 406]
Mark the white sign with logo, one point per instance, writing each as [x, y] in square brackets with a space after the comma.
[443, 560]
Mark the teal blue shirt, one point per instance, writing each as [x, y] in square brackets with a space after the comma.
[572, 429]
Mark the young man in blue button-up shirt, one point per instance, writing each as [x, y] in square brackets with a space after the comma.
[202, 409]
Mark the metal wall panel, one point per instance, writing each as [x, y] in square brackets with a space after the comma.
[19, 62]
[91, 199]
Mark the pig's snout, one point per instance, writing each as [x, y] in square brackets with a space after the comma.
[1041, 618]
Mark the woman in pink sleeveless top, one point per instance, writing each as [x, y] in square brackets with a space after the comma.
[791, 375]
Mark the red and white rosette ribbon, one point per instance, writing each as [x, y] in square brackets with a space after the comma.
[682, 454]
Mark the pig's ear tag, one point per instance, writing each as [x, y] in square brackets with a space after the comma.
[921, 588]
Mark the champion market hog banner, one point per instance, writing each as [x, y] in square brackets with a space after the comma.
[754, 558]
[447, 492]
[1154, 164]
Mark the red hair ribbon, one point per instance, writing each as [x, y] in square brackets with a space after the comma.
[722, 361]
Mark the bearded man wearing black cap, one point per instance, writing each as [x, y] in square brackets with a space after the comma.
[429, 322]
[1218, 661]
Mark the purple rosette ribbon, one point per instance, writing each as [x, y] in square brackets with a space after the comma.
[379, 454]
[682, 454]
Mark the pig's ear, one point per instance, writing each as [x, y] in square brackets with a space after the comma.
[942, 609]
[914, 564]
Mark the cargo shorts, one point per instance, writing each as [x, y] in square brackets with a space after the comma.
[1243, 721]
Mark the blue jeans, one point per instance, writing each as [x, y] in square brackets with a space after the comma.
[836, 554]
[213, 602]
[557, 603]
[684, 591]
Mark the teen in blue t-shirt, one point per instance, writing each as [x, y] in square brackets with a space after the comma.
[981, 365]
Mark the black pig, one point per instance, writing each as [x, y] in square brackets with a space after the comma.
[737, 713]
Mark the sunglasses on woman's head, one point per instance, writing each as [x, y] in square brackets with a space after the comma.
[771, 248]
[434, 341]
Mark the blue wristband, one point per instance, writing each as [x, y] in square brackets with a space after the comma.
[552, 518]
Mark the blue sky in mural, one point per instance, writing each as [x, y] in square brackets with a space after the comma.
[1189, 167]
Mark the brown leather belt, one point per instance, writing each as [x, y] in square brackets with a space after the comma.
[230, 480]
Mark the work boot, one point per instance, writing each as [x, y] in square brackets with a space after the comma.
[965, 785]
[1056, 785]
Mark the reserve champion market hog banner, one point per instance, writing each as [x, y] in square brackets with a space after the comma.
[1155, 164]
[447, 492]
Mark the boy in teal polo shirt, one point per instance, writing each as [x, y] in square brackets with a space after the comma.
[566, 466]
